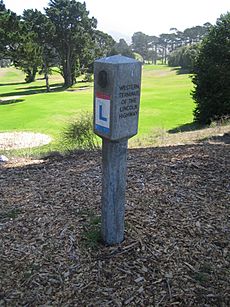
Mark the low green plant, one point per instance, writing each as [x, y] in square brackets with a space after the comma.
[223, 121]
[79, 133]
[92, 234]
[88, 77]
[10, 214]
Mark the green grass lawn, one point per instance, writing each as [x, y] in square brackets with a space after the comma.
[30, 108]
[165, 102]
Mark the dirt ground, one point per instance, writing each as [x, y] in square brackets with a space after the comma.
[176, 250]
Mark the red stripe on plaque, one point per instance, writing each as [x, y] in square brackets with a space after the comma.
[102, 96]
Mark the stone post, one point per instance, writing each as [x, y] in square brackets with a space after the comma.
[117, 84]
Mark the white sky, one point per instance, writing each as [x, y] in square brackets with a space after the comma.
[121, 18]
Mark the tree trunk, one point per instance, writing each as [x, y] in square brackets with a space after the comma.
[47, 82]
[47, 78]
[31, 73]
[67, 71]
[34, 71]
[155, 60]
[67, 76]
[165, 56]
[162, 56]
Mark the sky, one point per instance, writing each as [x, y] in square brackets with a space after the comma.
[122, 18]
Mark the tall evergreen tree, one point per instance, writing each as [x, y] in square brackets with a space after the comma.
[212, 74]
[9, 27]
[103, 43]
[122, 48]
[184, 57]
[42, 29]
[140, 44]
[28, 54]
[73, 31]
[2, 7]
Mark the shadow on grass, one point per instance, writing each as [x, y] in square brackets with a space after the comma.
[42, 87]
[58, 87]
[10, 101]
[186, 127]
[39, 89]
[181, 71]
[79, 88]
[13, 83]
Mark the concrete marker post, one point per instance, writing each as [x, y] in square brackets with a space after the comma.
[117, 85]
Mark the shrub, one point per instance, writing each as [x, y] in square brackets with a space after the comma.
[88, 77]
[212, 74]
[79, 133]
[184, 56]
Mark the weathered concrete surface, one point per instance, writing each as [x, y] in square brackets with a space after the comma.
[117, 89]
[114, 160]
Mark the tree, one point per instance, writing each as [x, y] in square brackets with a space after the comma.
[38, 24]
[2, 6]
[9, 26]
[184, 57]
[28, 55]
[165, 40]
[153, 44]
[196, 34]
[140, 44]
[99, 47]
[103, 44]
[152, 47]
[17, 43]
[122, 48]
[72, 34]
[212, 74]
[5, 63]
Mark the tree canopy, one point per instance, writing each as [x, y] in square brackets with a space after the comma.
[9, 30]
[122, 48]
[72, 35]
[212, 74]
[152, 47]
[184, 57]
[64, 36]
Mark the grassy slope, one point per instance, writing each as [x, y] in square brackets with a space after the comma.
[165, 103]
[38, 111]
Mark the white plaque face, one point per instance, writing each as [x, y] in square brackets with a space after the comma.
[102, 113]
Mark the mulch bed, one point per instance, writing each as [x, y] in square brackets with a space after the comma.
[177, 231]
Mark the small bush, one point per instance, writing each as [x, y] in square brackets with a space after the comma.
[88, 77]
[92, 234]
[79, 133]
[211, 77]
[223, 121]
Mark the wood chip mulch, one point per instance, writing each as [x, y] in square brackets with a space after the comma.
[176, 250]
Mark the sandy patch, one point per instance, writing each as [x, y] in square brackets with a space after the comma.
[2, 72]
[18, 140]
[10, 98]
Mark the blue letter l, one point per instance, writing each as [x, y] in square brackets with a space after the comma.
[100, 114]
